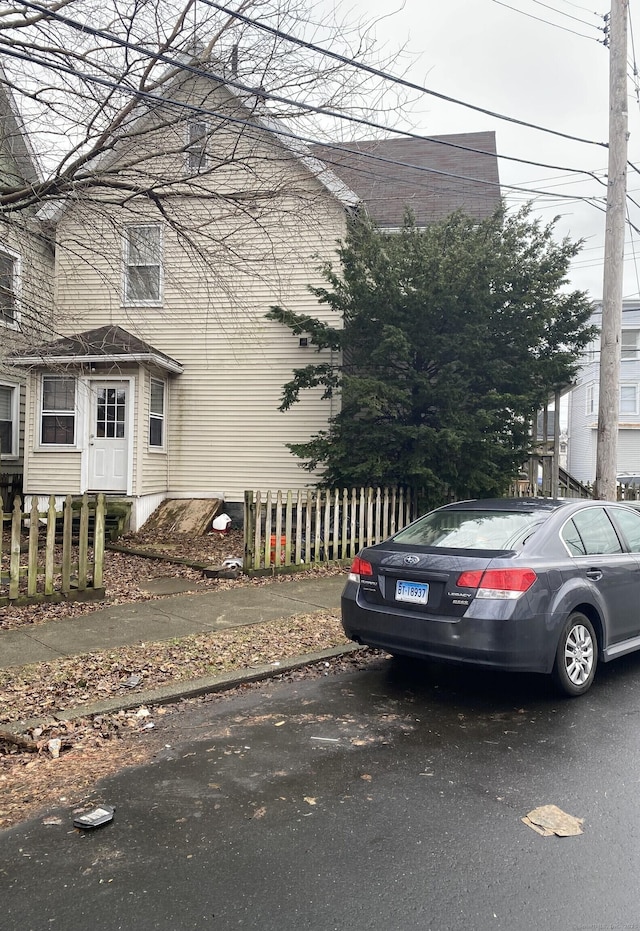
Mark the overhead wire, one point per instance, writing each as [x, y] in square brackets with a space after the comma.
[568, 15]
[548, 23]
[278, 98]
[403, 82]
[593, 201]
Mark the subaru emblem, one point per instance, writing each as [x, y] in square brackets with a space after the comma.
[411, 560]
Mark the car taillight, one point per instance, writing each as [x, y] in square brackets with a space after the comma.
[498, 583]
[360, 567]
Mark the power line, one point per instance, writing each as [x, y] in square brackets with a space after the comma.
[108, 36]
[395, 79]
[278, 98]
[568, 15]
[547, 23]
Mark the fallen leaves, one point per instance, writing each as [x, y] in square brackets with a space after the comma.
[43, 689]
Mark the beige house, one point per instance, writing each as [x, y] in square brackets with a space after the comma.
[166, 380]
[26, 275]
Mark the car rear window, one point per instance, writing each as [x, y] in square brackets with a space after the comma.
[475, 530]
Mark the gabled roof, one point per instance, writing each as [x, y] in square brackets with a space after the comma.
[103, 344]
[257, 120]
[432, 176]
[14, 141]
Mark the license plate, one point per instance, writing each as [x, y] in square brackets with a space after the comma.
[414, 592]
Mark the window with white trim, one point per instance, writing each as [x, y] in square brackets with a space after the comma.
[628, 399]
[197, 146]
[156, 413]
[630, 345]
[9, 400]
[143, 264]
[590, 400]
[9, 271]
[58, 411]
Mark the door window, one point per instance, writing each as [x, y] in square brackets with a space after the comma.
[110, 413]
[629, 523]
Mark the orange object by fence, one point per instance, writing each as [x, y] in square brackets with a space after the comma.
[283, 549]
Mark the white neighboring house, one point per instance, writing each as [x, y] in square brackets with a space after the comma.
[583, 402]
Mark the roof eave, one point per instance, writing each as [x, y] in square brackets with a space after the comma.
[164, 362]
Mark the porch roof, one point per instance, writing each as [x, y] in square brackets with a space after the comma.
[103, 344]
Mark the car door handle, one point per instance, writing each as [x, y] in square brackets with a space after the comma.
[594, 574]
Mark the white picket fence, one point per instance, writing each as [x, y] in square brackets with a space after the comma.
[315, 526]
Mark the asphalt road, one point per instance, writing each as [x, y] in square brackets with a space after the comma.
[384, 799]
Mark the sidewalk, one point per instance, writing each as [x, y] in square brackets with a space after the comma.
[166, 618]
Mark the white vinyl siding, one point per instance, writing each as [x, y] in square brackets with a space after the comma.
[143, 264]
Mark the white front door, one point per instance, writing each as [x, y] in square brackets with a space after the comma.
[108, 436]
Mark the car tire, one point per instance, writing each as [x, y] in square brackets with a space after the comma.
[576, 656]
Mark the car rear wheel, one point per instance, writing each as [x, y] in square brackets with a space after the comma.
[576, 656]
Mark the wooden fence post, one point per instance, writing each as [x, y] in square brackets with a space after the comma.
[98, 543]
[67, 524]
[50, 546]
[14, 564]
[249, 530]
[83, 544]
[34, 534]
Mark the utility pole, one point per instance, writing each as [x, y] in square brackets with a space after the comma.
[610, 341]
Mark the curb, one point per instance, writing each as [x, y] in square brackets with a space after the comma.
[169, 694]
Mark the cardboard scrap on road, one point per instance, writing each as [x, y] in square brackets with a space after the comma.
[548, 820]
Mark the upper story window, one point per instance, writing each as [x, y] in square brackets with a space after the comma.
[592, 351]
[9, 270]
[197, 146]
[143, 264]
[156, 414]
[590, 400]
[630, 344]
[9, 421]
[628, 399]
[58, 417]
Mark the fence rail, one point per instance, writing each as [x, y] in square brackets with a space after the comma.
[52, 555]
[316, 526]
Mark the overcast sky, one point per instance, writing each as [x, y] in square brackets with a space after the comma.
[488, 54]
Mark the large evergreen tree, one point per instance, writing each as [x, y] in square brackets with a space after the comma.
[450, 339]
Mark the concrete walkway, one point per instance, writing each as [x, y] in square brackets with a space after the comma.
[166, 618]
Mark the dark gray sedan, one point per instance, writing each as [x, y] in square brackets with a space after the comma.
[530, 584]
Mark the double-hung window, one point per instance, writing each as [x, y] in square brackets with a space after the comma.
[9, 270]
[630, 345]
[590, 400]
[628, 399]
[197, 146]
[9, 399]
[157, 414]
[58, 418]
[143, 264]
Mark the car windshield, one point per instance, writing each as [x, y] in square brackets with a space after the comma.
[472, 529]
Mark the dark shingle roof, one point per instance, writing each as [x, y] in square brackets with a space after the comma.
[436, 176]
[103, 343]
